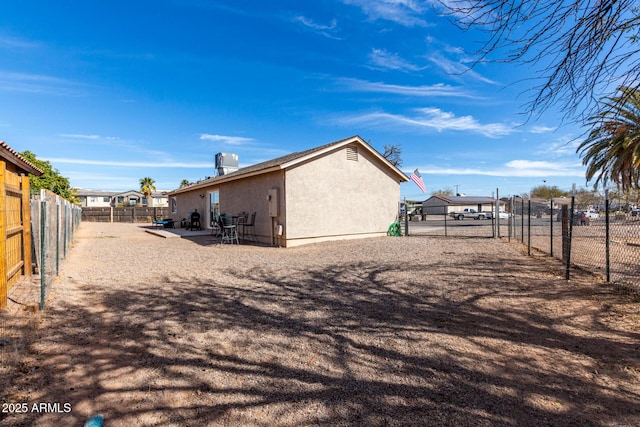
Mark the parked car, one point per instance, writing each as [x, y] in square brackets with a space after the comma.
[591, 214]
[501, 215]
[468, 213]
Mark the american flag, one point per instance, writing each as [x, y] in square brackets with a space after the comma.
[417, 178]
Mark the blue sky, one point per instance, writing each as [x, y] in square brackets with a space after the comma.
[110, 92]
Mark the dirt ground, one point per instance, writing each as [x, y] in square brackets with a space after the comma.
[410, 331]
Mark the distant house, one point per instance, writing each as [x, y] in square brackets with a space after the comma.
[341, 190]
[96, 198]
[93, 198]
[443, 205]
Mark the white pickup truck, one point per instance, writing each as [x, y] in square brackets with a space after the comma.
[468, 213]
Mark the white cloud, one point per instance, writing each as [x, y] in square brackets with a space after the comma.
[79, 136]
[542, 129]
[404, 12]
[541, 168]
[14, 42]
[386, 60]
[516, 169]
[562, 146]
[325, 30]
[433, 118]
[37, 83]
[435, 90]
[456, 68]
[231, 140]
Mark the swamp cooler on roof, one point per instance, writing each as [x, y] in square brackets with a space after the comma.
[226, 163]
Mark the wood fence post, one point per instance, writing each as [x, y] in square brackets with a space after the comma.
[3, 237]
[26, 225]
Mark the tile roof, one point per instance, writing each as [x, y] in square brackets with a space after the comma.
[17, 159]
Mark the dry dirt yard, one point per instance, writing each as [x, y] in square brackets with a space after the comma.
[391, 331]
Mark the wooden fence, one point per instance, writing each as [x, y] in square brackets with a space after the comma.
[129, 214]
[15, 228]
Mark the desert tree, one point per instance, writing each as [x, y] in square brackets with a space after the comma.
[547, 191]
[447, 191]
[580, 50]
[51, 179]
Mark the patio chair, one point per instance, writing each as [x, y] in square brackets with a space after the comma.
[229, 229]
[216, 225]
[249, 227]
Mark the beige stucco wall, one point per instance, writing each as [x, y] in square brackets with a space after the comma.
[250, 195]
[332, 198]
[246, 195]
[187, 203]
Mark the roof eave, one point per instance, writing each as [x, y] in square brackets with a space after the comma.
[222, 179]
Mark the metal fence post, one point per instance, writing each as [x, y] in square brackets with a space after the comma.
[444, 210]
[551, 226]
[573, 204]
[43, 247]
[522, 222]
[406, 218]
[607, 236]
[529, 227]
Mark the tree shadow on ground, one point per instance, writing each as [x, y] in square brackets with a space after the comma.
[345, 344]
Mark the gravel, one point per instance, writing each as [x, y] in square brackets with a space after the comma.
[388, 331]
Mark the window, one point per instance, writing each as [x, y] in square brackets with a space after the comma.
[174, 205]
[106, 199]
[93, 199]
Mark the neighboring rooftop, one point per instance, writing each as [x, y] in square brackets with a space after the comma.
[465, 199]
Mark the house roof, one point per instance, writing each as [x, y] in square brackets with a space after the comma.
[12, 156]
[291, 160]
[463, 200]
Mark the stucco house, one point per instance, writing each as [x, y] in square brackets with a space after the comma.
[341, 190]
[443, 205]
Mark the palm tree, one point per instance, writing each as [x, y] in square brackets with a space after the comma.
[612, 148]
[147, 187]
[184, 183]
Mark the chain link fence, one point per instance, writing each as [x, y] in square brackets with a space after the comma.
[588, 231]
[599, 236]
[54, 222]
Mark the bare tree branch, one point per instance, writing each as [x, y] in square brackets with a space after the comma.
[580, 50]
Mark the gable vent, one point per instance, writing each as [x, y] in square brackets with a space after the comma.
[352, 154]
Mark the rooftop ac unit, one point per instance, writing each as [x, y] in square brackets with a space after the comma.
[226, 163]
